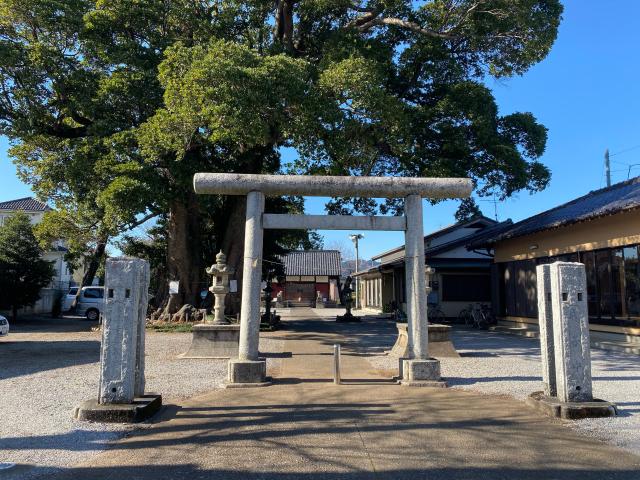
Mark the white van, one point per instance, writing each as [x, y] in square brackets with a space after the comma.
[69, 298]
[91, 303]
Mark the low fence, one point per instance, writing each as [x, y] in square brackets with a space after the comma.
[47, 301]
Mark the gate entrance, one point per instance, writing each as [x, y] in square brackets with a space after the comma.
[300, 294]
[249, 369]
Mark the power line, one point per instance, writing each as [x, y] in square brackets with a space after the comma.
[625, 150]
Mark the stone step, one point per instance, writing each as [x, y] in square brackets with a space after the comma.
[522, 331]
[611, 345]
[624, 347]
[291, 304]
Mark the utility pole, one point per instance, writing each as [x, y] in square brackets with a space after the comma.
[355, 238]
[607, 167]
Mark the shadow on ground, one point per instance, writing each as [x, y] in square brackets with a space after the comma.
[18, 358]
[47, 324]
[190, 471]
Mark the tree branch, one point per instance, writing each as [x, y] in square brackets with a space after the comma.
[137, 223]
[370, 19]
[414, 27]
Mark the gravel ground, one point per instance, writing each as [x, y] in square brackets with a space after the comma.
[501, 364]
[45, 375]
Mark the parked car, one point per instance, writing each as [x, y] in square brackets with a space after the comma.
[91, 303]
[4, 326]
[69, 298]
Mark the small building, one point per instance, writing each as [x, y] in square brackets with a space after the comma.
[461, 276]
[600, 230]
[310, 275]
[62, 278]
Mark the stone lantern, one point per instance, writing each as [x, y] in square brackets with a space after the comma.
[217, 338]
[429, 272]
[220, 287]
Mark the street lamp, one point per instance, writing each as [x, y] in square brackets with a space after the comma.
[355, 237]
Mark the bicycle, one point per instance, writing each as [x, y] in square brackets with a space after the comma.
[465, 316]
[477, 316]
[397, 314]
[435, 314]
[487, 313]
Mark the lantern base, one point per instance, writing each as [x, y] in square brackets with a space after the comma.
[214, 341]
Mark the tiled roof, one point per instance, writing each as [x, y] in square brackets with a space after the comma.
[27, 204]
[312, 262]
[617, 198]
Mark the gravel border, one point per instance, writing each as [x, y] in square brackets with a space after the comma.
[44, 376]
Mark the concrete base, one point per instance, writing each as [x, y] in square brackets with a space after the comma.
[141, 409]
[421, 373]
[553, 407]
[439, 342]
[213, 341]
[347, 318]
[247, 373]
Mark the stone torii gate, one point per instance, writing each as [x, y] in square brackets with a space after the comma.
[250, 370]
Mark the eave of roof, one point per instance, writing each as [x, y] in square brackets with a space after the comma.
[621, 197]
[440, 232]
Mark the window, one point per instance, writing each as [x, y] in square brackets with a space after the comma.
[510, 288]
[466, 288]
[617, 283]
[94, 293]
[603, 270]
[589, 260]
[632, 281]
[613, 285]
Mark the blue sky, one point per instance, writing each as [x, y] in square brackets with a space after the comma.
[586, 92]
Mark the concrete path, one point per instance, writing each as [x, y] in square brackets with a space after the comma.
[304, 427]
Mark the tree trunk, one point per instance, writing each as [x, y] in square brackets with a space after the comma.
[90, 273]
[183, 251]
[94, 263]
[232, 244]
[14, 312]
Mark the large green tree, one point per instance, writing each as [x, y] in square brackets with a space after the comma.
[115, 104]
[23, 272]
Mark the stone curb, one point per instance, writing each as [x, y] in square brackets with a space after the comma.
[141, 409]
[553, 407]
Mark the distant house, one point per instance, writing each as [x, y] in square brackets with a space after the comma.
[601, 230]
[461, 276]
[62, 278]
[309, 275]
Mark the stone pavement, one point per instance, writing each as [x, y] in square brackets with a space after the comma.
[304, 427]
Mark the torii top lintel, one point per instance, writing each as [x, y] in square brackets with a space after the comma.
[330, 186]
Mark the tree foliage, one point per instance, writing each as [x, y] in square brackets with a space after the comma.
[467, 210]
[23, 272]
[112, 106]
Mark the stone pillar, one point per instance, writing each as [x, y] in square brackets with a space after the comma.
[248, 368]
[545, 321]
[143, 304]
[122, 355]
[415, 279]
[571, 332]
[418, 369]
[121, 397]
